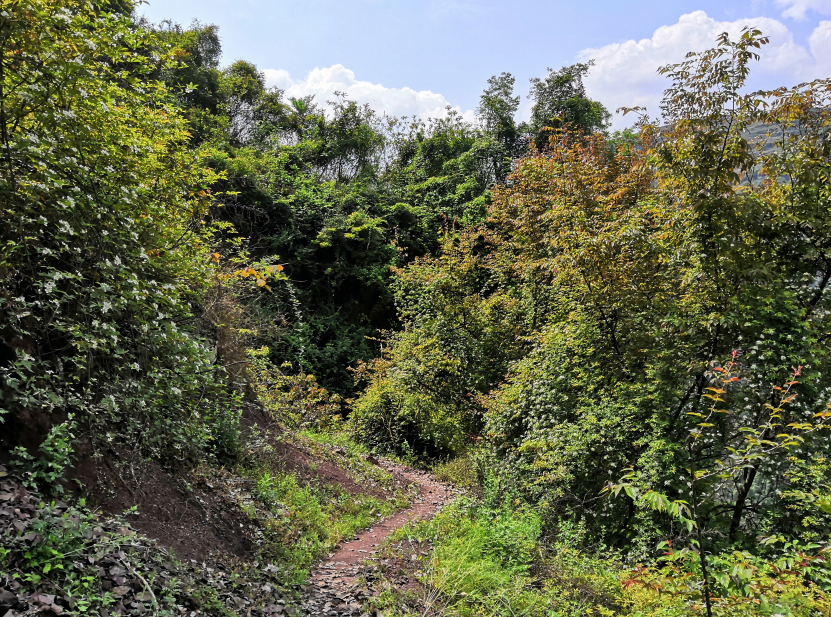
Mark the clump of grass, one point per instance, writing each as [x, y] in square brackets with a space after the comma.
[339, 449]
[335, 439]
[460, 471]
[301, 523]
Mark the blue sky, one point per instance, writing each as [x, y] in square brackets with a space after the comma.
[416, 56]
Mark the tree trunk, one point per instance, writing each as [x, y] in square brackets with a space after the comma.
[738, 509]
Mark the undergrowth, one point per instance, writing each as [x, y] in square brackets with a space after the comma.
[461, 471]
[301, 518]
[303, 523]
[495, 561]
[65, 559]
[491, 561]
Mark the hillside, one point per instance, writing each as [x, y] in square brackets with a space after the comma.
[262, 355]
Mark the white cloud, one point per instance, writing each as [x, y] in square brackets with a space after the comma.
[820, 43]
[626, 73]
[324, 82]
[797, 9]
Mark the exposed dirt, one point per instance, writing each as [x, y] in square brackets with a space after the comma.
[114, 556]
[308, 469]
[334, 587]
[196, 522]
[191, 515]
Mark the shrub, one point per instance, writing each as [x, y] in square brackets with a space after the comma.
[103, 260]
[462, 471]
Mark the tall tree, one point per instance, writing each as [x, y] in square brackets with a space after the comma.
[497, 110]
[194, 78]
[101, 218]
[560, 99]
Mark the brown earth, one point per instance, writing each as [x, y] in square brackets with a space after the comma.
[196, 522]
[193, 513]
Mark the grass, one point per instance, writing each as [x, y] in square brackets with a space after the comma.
[460, 471]
[491, 562]
[303, 523]
[353, 450]
[302, 520]
[494, 562]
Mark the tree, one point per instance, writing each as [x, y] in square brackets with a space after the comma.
[102, 258]
[634, 268]
[560, 100]
[496, 110]
[194, 76]
[243, 87]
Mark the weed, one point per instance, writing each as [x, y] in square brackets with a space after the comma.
[303, 519]
[46, 471]
[462, 472]
[490, 561]
[62, 559]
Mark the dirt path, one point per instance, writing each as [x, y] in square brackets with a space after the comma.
[332, 589]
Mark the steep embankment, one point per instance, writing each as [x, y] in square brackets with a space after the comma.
[63, 558]
[246, 535]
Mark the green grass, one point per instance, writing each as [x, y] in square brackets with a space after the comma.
[460, 471]
[335, 439]
[491, 562]
[341, 439]
[494, 562]
[302, 521]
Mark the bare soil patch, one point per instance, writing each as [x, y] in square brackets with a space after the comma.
[195, 521]
[192, 513]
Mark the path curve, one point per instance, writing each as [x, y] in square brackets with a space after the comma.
[332, 590]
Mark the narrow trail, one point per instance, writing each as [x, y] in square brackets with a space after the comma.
[332, 589]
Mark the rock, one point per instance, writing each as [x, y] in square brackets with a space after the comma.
[7, 598]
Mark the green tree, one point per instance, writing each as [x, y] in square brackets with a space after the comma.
[193, 76]
[343, 196]
[560, 100]
[633, 268]
[497, 110]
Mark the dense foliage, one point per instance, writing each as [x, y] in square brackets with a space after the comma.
[147, 193]
[103, 258]
[343, 194]
[623, 336]
[643, 314]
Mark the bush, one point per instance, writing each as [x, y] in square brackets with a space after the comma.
[104, 260]
[390, 418]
